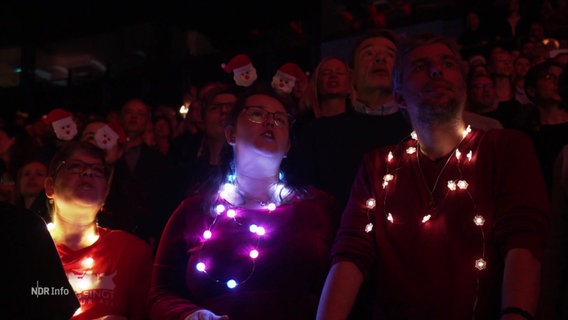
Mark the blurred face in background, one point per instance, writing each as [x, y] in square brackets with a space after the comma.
[333, 79]
[32, 176]
[216, 115]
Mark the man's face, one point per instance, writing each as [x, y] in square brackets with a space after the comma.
[502, 63]
[433, 87]
[373, 64]
[135, 118]
[482, 91]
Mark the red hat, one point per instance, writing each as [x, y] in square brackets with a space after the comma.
[117, 128]
[293, 70]
[54, 115]
[237, 62]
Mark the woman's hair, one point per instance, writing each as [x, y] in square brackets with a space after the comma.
[211, 186]
[69, 149]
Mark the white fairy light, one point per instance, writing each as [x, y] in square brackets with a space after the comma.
[207, 234]
[462, 184]
[200, 266]
[390, 217]
[369, 227]
[452, 185]
[480, 264]
[469, 155]
[371, 203]
[479, 220]
[426, 218]
[390, 156]
[411, 150]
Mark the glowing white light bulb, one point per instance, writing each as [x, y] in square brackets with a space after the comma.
[452, 185]
[231, 213]
[200, 266]
[371, 202]
[253, 253]
[480, 264]
[207, 234]
[388, 177]
[219, 208]
[253, 228]
[260, 231]
[413, 135]
[466, 131]
[411, 150]
[458, 154]
[469, 155]
[426, 218]
[369, 227]
[271, 206]
[231, 284]
[88, 262]
[228, 191]
[479, 220]
[390, 156]
[390, 218]
[462, 184]
[385, 184]
[50, 226]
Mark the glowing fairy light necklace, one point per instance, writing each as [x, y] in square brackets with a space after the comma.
[453, 186]
[226, 209]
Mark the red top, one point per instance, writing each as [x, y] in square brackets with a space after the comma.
[116, 278]
[283, 282]
[427, 270]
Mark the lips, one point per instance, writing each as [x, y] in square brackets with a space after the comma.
[268, 134]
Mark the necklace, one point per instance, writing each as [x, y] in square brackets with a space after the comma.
[432, 203]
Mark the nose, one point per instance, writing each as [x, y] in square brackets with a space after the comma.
[267, 121]
[435, 72]
[87, 171]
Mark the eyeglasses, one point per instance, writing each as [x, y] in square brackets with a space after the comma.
[259, 115]
[220, 106]
[78, 167]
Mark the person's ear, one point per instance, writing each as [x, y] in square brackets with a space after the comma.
[48, 185]
[230, 135]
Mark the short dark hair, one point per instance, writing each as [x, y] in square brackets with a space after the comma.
[411, 42]
[371, 33]
[211, 90]
[69, 149]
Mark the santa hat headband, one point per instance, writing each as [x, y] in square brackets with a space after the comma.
[55, 115]
[238, 63]
[117, 128]
[291, 69]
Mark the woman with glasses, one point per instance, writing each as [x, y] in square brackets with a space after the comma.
[248, 246]
[109, 270]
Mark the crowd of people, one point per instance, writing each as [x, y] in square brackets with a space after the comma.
[424, 177]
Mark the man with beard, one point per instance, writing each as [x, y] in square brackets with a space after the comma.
[451, 223]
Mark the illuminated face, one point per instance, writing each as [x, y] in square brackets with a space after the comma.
[81, 181]
[283, 82]
[333, 79]
[245, 76]
[373, 64]
[32, 178]
[65, 129]
[433, 86]
[216, 115]
[256, 133]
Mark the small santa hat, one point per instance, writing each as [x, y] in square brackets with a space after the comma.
[237, 62]
[117, 128]
[54, 115]
[291, 69]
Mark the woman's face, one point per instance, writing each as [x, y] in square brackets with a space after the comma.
[333, 79]
[80, 181]
[32, 177]
[262, 128]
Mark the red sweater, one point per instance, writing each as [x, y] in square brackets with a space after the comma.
[427, 270]
[284, 282]
[116, 278]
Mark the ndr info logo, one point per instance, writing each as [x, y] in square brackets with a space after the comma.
[49, 291]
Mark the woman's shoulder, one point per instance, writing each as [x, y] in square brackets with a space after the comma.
[115, 236]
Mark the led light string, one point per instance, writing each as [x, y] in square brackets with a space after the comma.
[403, 157]
[225, 208]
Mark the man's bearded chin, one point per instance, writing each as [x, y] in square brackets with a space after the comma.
[440, 112]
